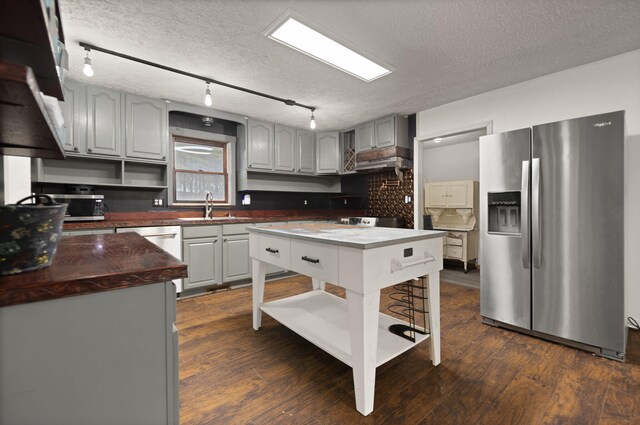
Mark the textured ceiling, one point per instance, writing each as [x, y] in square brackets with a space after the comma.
[443, 50]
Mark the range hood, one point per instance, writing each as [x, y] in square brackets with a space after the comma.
[392, 158]
[384, 164]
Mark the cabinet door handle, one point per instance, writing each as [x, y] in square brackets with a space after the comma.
[90, 150]
[311, 260]
[271, 250]
[224, 240]
[75, 149]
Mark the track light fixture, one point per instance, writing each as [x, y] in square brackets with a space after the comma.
[207, 96]
[87, 69]
[312, 123]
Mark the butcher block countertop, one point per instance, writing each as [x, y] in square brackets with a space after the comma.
[172, 218]
[361, 237]
[93, 263]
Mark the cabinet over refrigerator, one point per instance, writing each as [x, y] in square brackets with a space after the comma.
[552, 235]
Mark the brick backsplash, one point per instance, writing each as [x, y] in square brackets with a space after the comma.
[387, 200]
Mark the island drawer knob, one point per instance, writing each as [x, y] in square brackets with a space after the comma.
[311, 260]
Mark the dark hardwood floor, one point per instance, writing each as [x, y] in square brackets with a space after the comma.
[230, 374]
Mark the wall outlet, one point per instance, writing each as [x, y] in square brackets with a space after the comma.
[158, 202]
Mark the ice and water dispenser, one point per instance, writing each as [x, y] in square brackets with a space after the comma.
[504, 212]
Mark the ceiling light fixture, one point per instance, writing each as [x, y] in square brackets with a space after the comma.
[87, 69]
[207, 96]
[289, 102]
[312, 123]
[300, 36]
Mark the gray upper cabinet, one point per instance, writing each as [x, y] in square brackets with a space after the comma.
[384, 132]
[285, 141]
[259, 145]
[364, 137]
[328, 148]
[145, 127]
[306, 151]
[104, 117]
[74, 110]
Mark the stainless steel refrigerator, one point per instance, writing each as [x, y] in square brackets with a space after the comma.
[552, 234]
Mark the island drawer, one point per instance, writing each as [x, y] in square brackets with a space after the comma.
[317, 260]
[275, 250]
[393, 263]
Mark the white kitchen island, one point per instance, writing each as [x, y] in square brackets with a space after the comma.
[363, 260]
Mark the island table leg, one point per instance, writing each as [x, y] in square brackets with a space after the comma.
[434, 316]
[363, 311]
[258, 272]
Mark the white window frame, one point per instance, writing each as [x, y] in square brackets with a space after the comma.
[231, 164]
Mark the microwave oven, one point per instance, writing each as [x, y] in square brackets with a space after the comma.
[81, 207]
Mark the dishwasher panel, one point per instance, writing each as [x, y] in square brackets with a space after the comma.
[166, 237]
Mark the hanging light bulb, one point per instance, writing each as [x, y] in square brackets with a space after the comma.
[87, 69]
[207, 96]
[312, 123]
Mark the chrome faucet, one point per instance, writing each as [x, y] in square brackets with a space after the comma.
[208, 205]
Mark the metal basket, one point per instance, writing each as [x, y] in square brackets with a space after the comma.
[29, 234]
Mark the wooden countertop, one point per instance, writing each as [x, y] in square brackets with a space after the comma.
[145, 219]
[93, 263]
[361, 237]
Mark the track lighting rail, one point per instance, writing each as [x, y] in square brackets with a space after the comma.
[289, 102]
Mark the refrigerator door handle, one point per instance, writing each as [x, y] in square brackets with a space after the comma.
[536, 227]
[525, 215]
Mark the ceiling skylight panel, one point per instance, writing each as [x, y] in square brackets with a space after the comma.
[311, 42]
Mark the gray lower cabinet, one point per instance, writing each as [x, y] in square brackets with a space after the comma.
[202, 252]
[236, 263]
[104, 118]
[107, 357]
[145, 127]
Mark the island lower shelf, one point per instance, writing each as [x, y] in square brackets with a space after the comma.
[322, 319]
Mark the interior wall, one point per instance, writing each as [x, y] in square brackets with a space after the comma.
[608, 85]
[455, 162]
[16, 178]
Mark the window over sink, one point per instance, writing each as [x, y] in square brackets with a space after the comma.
[201, 166]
